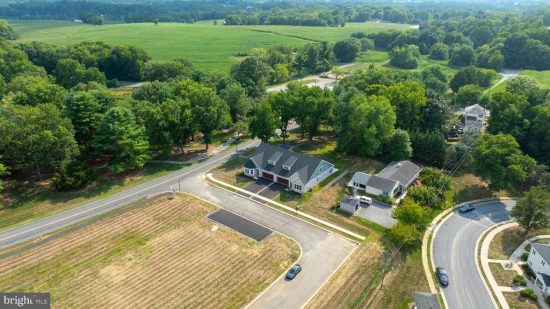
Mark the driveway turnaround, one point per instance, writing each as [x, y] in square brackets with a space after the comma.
[454, 245]
[378, 213]
[240, 224]
[265, 188]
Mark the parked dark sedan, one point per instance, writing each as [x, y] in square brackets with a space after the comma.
[442, 276]
[466, 208]
[293, 271]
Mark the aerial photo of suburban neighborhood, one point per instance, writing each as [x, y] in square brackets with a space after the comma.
[275, 154]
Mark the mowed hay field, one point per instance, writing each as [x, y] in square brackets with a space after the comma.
[161, 255]
[209, 47]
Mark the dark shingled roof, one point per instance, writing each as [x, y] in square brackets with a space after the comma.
[304, 166]
[424, 300]
[543, 250]
[404, 172]
[545, 278]
[381, 183]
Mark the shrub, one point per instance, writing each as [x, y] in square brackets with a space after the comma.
[439, 51]
[520, 280]
[525, 256]
[406, 234]
[113, 83]
[529, 294]
[528, 270]
[405, 57]
[72, 176]
[385, 199]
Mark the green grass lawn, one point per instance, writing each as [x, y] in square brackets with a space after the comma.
[542, 77]
[31, 201]
[209, 47]
[381, 58]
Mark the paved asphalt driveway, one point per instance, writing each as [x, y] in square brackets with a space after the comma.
[378, 213]
[322, 251]
[454, 249]
[265, 188]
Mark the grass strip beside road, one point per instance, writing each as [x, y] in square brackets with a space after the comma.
[31, 201]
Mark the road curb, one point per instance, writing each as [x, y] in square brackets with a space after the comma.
[303, 214]
[482, 257]
[431, 232]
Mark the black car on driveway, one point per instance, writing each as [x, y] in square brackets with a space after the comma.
[293, 271]
[442, 276]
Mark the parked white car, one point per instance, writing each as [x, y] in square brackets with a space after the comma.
[365, 199]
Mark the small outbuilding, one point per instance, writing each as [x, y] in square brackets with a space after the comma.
[349, 204]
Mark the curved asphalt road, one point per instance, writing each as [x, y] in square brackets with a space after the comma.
[454, 249]
[322, 251]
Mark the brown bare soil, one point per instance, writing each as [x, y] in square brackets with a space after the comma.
[515, 301]
[162, 255]
[343, 289]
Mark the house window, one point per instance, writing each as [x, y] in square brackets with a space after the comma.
[534, 252]
[543, 263]
[385, 193]
[249, 170]
[297, 187]
[362, 186]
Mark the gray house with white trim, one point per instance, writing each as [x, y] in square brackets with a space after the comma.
[392, 181]
[539, 262]
[298, 172]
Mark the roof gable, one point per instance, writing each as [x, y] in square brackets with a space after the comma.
[386, 185]
[404, 172]
[288, 164]
[543, 250]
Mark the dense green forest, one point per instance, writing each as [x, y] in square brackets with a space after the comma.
[58, 117]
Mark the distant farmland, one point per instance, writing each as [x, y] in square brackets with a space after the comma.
[209, 47]
[156, 256]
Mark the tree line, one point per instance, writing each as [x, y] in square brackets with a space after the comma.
[245, 12]
[512, 40]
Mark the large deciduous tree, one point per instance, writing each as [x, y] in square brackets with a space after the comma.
[209, 111]
[312, 106]
[498, 159]
[371, 124]
[263, 123]
[253, 74]
[36, 138]
[347, 50]
[34, 90]
[408, 98]
[532, 211]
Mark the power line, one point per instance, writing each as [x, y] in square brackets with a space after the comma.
[439, 191]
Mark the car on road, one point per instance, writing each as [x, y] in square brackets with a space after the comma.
[293, 271]
[442, 276]
[365, 199]
[466, 208]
